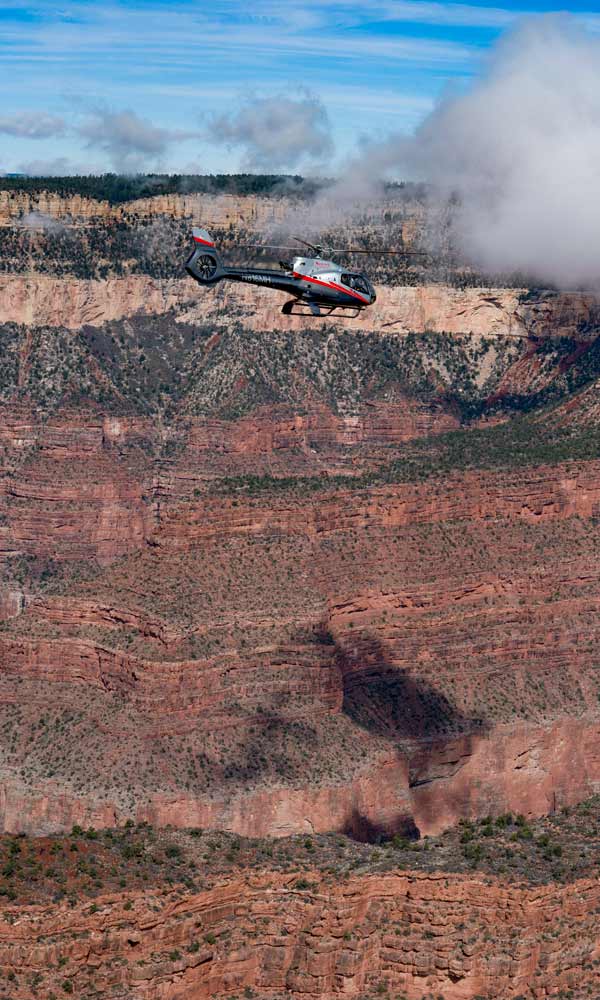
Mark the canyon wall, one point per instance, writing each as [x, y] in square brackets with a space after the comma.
[435, 690]
[414, 934]
[220, 209]
[270, 574]
[44, 300]
[281, 577]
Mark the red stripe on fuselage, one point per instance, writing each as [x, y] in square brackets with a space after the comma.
[204, 242]
[329, 284]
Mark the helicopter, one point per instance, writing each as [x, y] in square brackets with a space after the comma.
[318, 287]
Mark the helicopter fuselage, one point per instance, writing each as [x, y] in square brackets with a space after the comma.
[310, 280]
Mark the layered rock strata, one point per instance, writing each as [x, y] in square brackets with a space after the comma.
[201, 625]
[41, 300]
[219, 209]
[408, 933]
[441, 676]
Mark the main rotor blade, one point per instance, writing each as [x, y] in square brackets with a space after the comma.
[263, 246]
[319, 250]
[311, 246]
[401, 253]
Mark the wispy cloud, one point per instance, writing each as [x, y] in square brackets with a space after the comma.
[318, 13]
[180, 39]
[32, 125]
[455, 14]
[168, 61]
[132, 143]
[58, 166]
[275, 132]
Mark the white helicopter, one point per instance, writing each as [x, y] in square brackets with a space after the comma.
[318, 287]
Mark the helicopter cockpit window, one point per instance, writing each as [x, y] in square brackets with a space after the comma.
[357, 282]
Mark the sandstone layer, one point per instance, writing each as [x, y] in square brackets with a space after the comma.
[39, 300]
[216, 209]
[412, 934]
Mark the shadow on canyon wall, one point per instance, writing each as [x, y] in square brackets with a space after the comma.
[389, 701]
[430, 735]
[409, 712]
[367, 830]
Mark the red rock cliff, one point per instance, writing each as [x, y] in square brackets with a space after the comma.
[415, 934]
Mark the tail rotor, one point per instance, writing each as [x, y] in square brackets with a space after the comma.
[204, 264]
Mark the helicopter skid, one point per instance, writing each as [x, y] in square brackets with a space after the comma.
[319, 310]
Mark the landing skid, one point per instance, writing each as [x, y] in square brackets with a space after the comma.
[296, 308]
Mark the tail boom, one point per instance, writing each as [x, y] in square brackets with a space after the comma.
[205, 266]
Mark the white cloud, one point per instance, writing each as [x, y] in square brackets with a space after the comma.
[275, 132]
[520, 153]
[132, 143]
[32, 125]
[522, 149]
[454, 14]
[178, 35]
[59, 166]
[348, 14]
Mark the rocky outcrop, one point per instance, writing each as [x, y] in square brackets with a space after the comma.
[533, 495]
[39, 300]
[220, 210]
[399, 309]
[73, 465]
[531, 770]
[167, 691]
[525, 769]
[105, 519]
[409, 933]
[316, 432]
[103, 508]
[12, 602]
[374, 801]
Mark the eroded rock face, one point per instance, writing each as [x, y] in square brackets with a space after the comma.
[526, 769]
[203, 625]
[458, 936]
[40, 300]
[220, 209]
[440, 675]
[372, 803]
[396, 631]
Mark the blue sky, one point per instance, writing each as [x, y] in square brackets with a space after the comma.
[70, 69]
